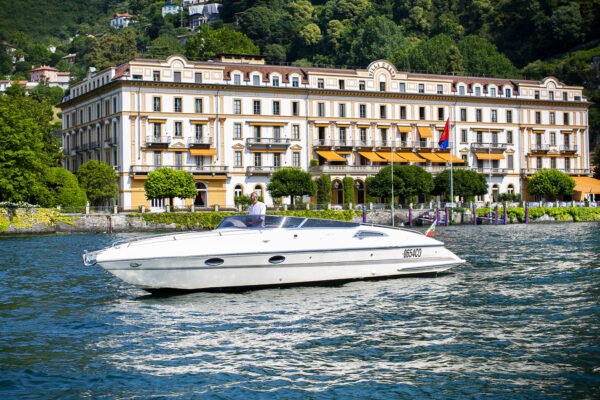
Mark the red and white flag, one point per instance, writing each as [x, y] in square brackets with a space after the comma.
[431, 230]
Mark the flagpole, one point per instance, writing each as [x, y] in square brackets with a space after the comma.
[451, 183]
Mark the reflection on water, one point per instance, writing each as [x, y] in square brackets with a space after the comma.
[520, 319]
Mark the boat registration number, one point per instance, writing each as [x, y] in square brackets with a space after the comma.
[412, 253]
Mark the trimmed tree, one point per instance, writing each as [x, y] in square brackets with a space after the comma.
[466, 184]
[291, 182]
[99, 180]
[348, 190]
[550, 183]
[166, 183]
[323, 189]
[409, 181]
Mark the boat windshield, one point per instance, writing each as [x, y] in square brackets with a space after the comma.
[281, 221]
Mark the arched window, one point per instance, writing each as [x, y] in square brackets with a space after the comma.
[337, 192]
[495, 192]
[510, 189]
[238, 191]
[259, 190]
[201, 199]
[359, 187]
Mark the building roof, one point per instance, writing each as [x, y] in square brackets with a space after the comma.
[125, 15]
[44, 68]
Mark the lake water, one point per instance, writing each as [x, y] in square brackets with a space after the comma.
[520, 320]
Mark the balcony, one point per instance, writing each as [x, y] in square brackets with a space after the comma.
[94, 146]
[197, 170]
[493, 171]
[406, 144]
[200, 142]
[158, 141]
[82, 148]
[346, 169]
[539, 148]
[263, 143]
[261, 170]
[568, 171]
[486, 147]
[569, 148]
[111, 142]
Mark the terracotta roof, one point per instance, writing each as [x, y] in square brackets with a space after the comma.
[121, 70]
[126, 15]
[44, 68]
[64, 73]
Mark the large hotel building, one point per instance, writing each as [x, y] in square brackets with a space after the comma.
[232, 122]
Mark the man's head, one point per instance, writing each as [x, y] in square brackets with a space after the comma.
[254, 197]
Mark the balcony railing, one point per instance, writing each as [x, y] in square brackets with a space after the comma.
[152, 140]
[539, 148]
[488, 146]
[200, 141]
[495, 171]
[194, 169]
[346, 169]
[111, 142]
[261, 169]
[571, 148]
[267, 143]
[94, 146]
[569, 171]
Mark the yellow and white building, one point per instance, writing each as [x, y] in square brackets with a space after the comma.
[233, 121]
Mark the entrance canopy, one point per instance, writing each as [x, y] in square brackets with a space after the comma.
[331, 156]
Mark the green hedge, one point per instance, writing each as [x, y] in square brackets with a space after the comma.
[577, 214]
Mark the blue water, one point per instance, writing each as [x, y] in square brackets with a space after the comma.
[520, 320]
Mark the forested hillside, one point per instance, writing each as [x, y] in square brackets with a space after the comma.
[510, 38]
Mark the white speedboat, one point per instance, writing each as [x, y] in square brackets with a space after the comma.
[248, 251]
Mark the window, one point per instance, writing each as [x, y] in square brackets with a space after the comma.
[114, 105]
[257, 160]
[156, 75]
[539, 162]
[320, 83]
[321, 109]
[177, 104]
[157, 158]
[98, 112]
[478, 115]
[493, 92]
[494, 116]
[256, 80]
[495, 138]
[362, 109]
[156, 103]
[238, 163]
[342, 110]
[382, 112]
[237, 106]
[440, 114]
[553, 138]
[296, 132]
[157, 130]
[198, 77]
[275, 81]
[89, 116]
[509, 116]
[508, 92]
[479, 137]
[537, 95]
[178, 160]
[198, 105]
[402, 112]
[402, 87]
[463, 136]
[295, 81]
[341, 84]
[567, 164]
[463, 114]
[177, 77]
[551, 95]
[256, 107]
[342, 132]
[464, 158]
[538, 117]
[440, 89]
[277, 132]
[295, 108]
[237, 79]
[135, 76]
[363, 135]
[421, 88]
[177, 128]
[383, 134]
[421, 113]
[296, 159]
[565, 96]
[381, 87]
[461, 90]
[509, 137]
[237, 191]
[553, 162]
[275, 108]
[276, 160]
[198, 130]
[361, 85]
[477, 91]
[237, 131]
[566, 119]
[257, 131]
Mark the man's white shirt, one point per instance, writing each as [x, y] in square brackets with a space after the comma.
[257, 209]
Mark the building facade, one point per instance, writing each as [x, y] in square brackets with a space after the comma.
[233, 121]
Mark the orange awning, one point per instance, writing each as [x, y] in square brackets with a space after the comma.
[331, 156]
[447, 157]
[432, 157]
[198, 122]
[266, 123]
[321, 125]
[157, 121]
[424, 131]
[388, 157]
[489, 156]
[409, 156]
[203, 152]
[369, 155]
[585, 184]
[404, 129]
[363, 126]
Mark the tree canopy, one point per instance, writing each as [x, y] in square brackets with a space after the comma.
[291, 182]
[168, 183]
[99, 180]
[209, 43]
[61, 189]
[323, 189]
[465, 184]
[409, 181]
[550, 183]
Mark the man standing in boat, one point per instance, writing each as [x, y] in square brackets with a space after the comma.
[257, 208]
